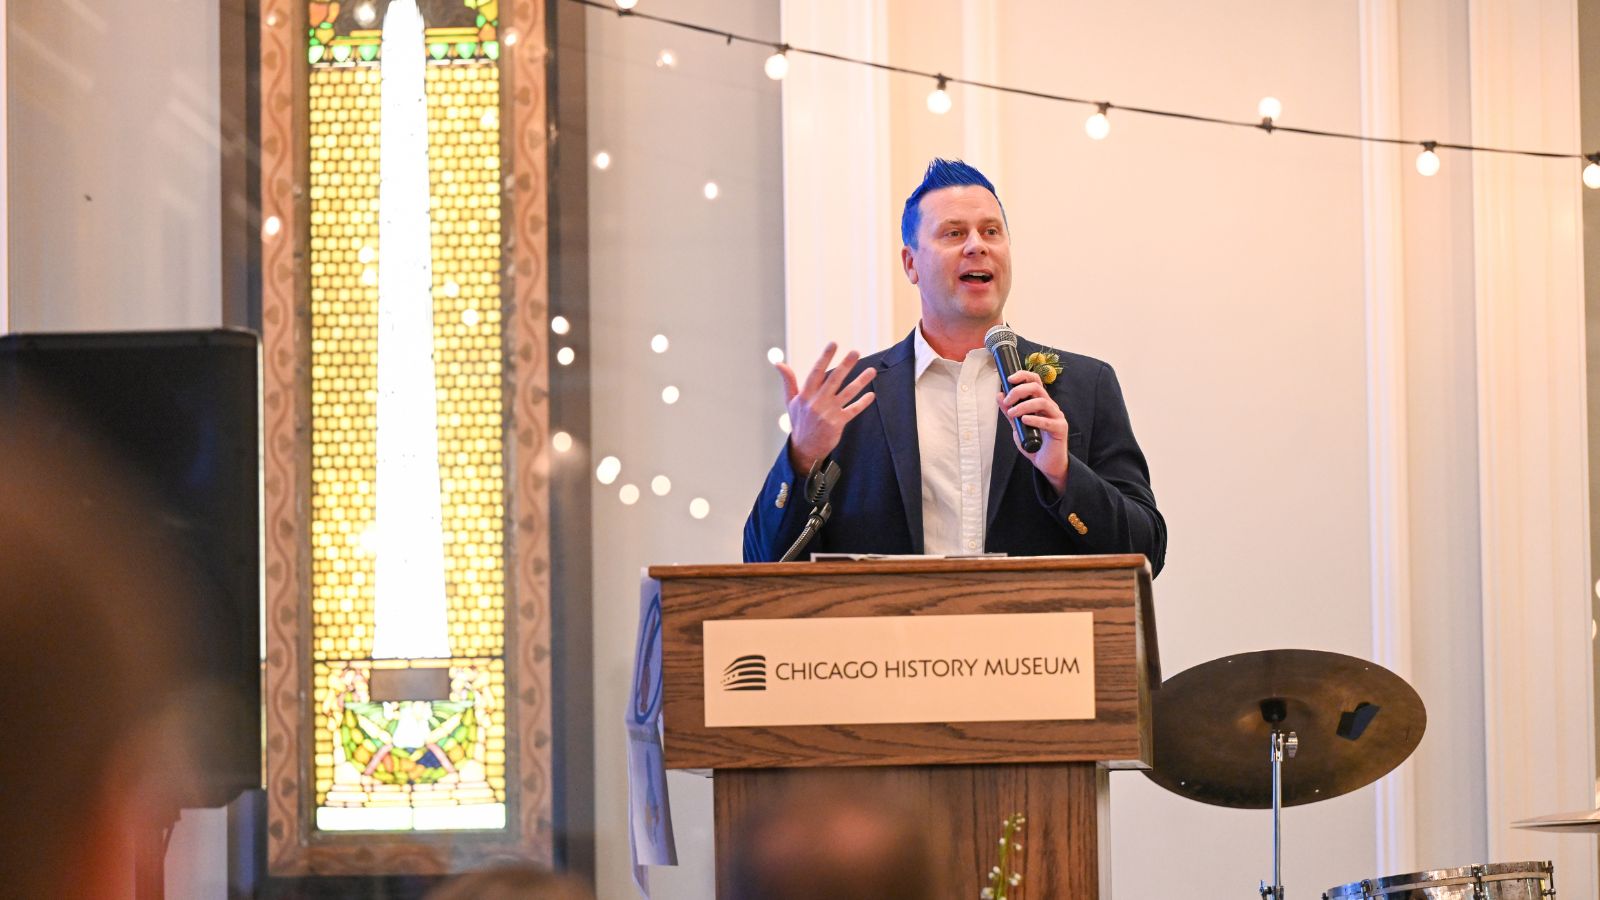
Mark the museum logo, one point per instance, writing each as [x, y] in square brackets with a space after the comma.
[747, 673]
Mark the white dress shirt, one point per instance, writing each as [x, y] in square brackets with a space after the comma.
[956, 416]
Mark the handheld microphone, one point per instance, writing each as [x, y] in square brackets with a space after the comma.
[1002, 342]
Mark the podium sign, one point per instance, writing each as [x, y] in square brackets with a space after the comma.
[859, 670]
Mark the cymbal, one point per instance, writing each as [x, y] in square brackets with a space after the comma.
[1212, 742]
[1586, 821]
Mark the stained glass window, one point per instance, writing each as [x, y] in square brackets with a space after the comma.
[408, 488]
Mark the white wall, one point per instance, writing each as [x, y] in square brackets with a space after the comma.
[113, 165]
[708, 275]
[1296, 327]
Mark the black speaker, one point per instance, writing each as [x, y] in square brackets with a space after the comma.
[181, 411]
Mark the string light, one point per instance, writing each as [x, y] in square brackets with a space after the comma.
[775, 355]
[1097, 125]
[628, 494]
[938, 99]
[560, 325]
[366, 14]
[565, 356]
[699, 507]
[783, 423]
[608, 470]
[666, 59]
[660, 485]
[1427, 160]
[777, 65]
[602, 160]
[271, 226]
[1591, 172]
[669, 394]
[561, 441]
[711, 190]
[659, 343]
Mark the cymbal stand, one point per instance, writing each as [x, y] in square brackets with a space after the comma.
[1284, 745]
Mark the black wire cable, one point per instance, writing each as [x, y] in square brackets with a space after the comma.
[1266, 124]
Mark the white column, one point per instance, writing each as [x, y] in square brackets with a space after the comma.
[839, 244]
[1387, 482]
[1538, 674]
[980, 110]
[5, 177]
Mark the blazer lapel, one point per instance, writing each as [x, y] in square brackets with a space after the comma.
[897, 411]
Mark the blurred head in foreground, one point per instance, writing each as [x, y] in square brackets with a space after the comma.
[834, 845]
[85, 660]
[512, 882]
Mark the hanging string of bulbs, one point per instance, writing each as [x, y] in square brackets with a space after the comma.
[1098, 124]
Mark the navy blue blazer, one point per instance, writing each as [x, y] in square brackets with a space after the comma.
[1107, 506]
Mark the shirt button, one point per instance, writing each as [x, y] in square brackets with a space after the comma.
[972, 545]
[970, 487]
[965, 388]
[966, 434]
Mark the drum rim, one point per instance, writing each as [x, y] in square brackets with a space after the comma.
[1444, 877]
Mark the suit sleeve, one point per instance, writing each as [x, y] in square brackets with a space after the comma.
[779, 513]
[1107, 506]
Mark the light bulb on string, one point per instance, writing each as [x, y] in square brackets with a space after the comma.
[777, 65]
[1591, 172]
[1098, 126]
[1427, 160]
[938, 99]
[1269, 108]
[627, 4]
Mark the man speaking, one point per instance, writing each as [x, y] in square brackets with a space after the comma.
[927, 435]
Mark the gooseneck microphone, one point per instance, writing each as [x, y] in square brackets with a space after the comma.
[819, 486]
[1002, 342]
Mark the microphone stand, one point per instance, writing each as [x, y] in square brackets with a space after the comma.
[819, 485]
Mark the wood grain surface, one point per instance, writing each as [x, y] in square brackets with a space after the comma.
[1116, 589]
[960, 809]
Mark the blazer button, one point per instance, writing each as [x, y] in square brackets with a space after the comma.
[1077, 523]
[783, 495]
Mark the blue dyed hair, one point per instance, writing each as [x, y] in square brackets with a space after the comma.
[942, 173]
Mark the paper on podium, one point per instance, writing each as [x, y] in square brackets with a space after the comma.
[856, 557]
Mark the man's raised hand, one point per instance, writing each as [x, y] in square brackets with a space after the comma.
[821, 407]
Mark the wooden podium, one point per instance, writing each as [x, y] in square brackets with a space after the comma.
[965, 777]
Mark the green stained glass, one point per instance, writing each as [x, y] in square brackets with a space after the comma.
[341, 52]
[481, 20]
[315, 53]
[467, 49]
[369, 52]
[438, 51]
[491, 49]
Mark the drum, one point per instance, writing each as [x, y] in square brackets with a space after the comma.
[1497, 881]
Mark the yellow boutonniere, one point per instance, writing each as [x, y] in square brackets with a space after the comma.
[1046, 365]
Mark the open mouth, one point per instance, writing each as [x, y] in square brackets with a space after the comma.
[977, 278]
